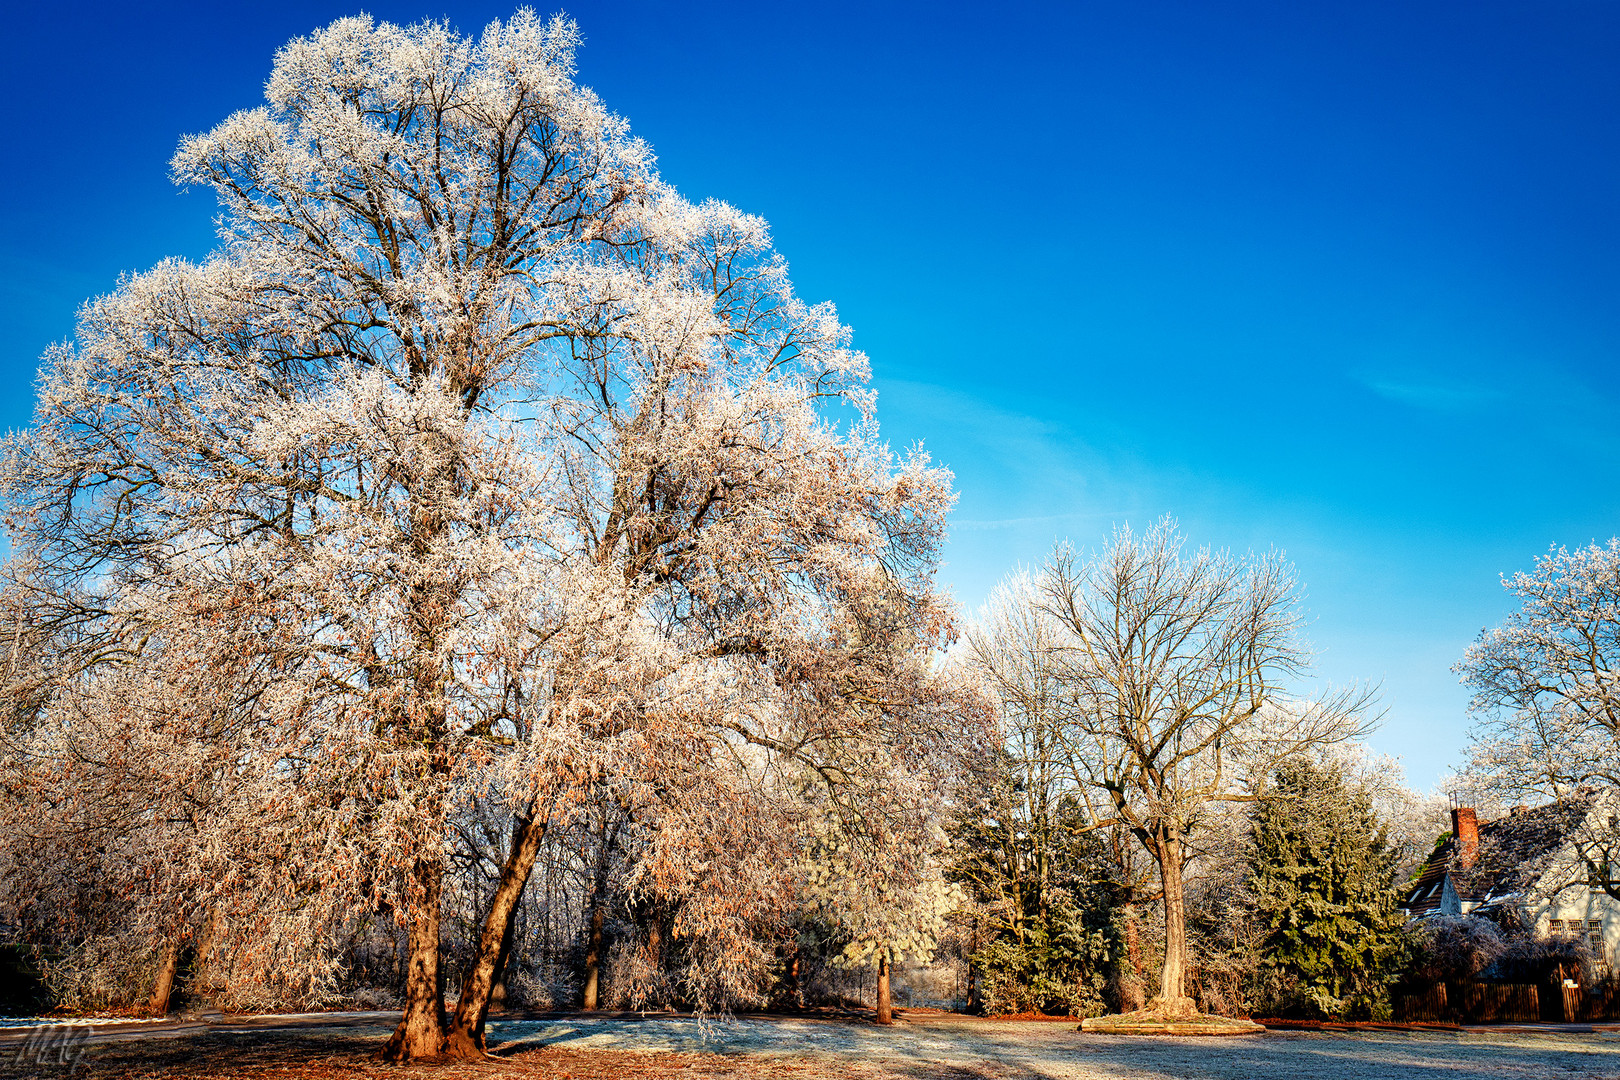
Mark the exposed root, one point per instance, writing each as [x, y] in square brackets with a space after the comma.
[1169, 1009]
[413, 1043]
[462, 1045]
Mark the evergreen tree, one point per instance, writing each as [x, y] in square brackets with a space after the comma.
[1042, 886]
[1323, 880]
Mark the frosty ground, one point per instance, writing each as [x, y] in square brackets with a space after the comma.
[956, 1048]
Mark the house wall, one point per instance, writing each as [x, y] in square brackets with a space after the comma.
[1450, 902]
[1586, 906]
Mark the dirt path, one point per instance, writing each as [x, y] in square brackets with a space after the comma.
[950, 1048]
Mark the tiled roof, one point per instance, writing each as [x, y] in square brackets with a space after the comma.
[1424, 895]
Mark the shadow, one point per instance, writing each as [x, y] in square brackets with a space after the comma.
[214, 1054]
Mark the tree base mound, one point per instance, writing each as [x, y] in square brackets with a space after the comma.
[1151, 1021]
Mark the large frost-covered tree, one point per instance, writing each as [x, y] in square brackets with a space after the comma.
[547, 482]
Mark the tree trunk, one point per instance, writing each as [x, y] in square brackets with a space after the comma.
[655, 947]
[1131, 985]
[497, 992]
[885, 1007]
[973, 1003]
[596, 945]
[503, 960]
[593, 957]
[1172, 1001]
[205, 979]
[791, 977]
[159, 1005]
[465, 1039]
[1133, 943]
[421, 1031]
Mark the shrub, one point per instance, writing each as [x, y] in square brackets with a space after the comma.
[1454, 948]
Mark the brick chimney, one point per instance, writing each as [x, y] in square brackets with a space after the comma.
[1465, 834]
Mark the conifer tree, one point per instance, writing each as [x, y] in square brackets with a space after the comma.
[1323, 875]
[1045, 885]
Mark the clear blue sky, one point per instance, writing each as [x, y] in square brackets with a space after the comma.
[1339, 278]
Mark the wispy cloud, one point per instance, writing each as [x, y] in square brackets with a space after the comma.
[1555, 402]
[1437, 395]
[973, 434]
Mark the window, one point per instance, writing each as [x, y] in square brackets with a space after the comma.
[1555, 926]
[1595, 936]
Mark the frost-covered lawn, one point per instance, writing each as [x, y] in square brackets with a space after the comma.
[936, 1047]
[1016, 1049]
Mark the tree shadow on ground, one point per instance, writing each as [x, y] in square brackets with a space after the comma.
[328, 1054]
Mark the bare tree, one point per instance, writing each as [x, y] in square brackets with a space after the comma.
[1012, 650]
[1176, 668]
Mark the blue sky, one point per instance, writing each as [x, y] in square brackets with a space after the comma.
[1338, 278]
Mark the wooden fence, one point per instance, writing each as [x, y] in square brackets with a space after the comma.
[1507, 1003]
[1429, 1005]
[1603, 1005]
[1499, 1003]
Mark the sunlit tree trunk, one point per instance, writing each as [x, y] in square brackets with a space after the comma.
[596, 944]
[593, 957]
[421, 1031]
[885, 1006]
[497, 993]
[205, 969]
[1133, 941]
[792, 979]
[1172, 1000]
[466, 1035]
[161, 991]
[655, 952]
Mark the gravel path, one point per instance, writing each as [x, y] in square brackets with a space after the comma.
[1060, 1052]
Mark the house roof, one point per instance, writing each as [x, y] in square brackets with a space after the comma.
[1424, 895]
[1514, 854]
